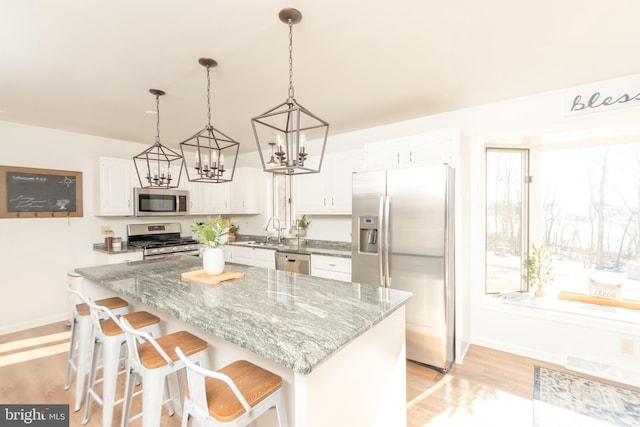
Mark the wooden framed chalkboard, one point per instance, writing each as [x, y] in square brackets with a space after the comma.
[39, 193]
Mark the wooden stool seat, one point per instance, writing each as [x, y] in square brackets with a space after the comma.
[112, 303]
[138, 319]
[151, 360]
[254, 383]
[232, 396]
[189, 343]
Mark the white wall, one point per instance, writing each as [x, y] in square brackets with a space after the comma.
[36, 253]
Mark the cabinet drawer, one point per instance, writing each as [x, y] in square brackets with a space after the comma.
[337, 264]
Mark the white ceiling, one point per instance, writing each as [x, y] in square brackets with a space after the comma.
[86, 65]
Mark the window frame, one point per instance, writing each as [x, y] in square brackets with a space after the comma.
[525, 209]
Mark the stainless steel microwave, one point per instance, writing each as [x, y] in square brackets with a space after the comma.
[159, 202]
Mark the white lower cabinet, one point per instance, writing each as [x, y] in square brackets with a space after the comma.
[331, 267]
[253, 256]
[102, 258]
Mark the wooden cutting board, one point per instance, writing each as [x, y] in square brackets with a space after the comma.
[202, 277]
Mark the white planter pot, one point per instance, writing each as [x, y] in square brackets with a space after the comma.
[213, 261]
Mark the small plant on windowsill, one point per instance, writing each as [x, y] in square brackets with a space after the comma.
[538, 269]
[302, 224]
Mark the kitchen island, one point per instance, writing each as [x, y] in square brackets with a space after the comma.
[339, 347]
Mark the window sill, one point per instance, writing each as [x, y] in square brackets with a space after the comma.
[551, 305]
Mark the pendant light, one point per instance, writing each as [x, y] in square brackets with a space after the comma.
[298, 135]
[158, 166]
[212, 154]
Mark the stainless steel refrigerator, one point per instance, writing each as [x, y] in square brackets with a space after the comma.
[403, 238]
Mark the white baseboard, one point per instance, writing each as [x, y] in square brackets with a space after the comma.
[32, 323]
[521, 351]
[603, 370]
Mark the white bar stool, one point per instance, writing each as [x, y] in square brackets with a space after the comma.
[153, 361]
[232, 396]
[81, 333]
[108, 339]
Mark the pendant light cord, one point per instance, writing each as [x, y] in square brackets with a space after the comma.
[208, 97]
[158, 119]
[290, 59]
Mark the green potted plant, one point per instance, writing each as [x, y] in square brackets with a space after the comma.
[302, 224]
[538, 269]
[233, 229]
[212, 235]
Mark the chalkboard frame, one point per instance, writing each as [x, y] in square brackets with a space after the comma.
[55, 174]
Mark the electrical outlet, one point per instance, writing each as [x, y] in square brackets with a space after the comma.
[105, 229]
[626, 346]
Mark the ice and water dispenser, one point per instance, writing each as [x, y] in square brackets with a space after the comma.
[368, 239]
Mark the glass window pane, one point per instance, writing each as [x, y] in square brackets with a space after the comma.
[505, 219]
[590, 214]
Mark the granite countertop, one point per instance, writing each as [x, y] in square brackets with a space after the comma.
[100, 247]
[292, 319]
[319, 247]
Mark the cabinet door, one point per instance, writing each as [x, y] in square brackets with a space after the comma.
[246, 195]
[309, 192]
[115, 190]
[196, 202]
[216, 198]
[434, 148]
[264, 258]
[384, 154]
[338, 179]
[329, 267]
[102, 258]
[242, 255]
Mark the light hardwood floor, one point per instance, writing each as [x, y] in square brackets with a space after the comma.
[491, 388]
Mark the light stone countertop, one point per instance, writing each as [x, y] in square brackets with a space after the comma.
[318, 247]
[292, 319]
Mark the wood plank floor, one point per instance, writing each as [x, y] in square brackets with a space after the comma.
[491, 388]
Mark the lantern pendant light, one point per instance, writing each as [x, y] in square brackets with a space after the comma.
[299, 136]
[158, 166]
[213, 154]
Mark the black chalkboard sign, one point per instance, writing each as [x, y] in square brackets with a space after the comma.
[41, 193]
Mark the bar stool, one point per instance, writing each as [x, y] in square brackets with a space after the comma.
[108, 339]
[81, 332]
[152, 361]
[232, 396]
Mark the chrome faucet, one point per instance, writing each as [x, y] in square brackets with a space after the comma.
[272, 221]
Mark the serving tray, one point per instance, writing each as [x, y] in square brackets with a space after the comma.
[202, 277]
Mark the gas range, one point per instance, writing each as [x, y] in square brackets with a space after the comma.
[160, 240]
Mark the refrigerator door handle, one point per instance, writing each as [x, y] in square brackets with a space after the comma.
[385, 246]
[381, 244]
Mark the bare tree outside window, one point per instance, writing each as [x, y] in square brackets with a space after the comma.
[588, 214]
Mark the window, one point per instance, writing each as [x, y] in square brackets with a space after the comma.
[584, 205]
[506, 218]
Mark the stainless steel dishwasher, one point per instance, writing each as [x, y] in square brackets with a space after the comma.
[297, 263]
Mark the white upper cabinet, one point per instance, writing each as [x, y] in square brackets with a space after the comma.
[248, 189]
[242, 195]
[208, 199]
[115, 189]
[427, 149]
[329, 192]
